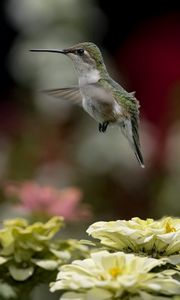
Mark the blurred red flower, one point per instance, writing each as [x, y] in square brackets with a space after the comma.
[150, 58]
[50, 201]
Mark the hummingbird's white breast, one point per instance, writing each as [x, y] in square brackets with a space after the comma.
[90, 77]
[96, 101]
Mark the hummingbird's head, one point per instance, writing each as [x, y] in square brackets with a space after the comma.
[86, 57]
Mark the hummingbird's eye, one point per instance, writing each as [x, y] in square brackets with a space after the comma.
[80, 51]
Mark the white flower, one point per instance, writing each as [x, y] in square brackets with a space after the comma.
[160, 237]
[110, 275]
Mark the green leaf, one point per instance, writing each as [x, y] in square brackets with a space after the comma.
[20, 274]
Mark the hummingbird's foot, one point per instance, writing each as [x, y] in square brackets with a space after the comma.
[103, 126]
[100, 127]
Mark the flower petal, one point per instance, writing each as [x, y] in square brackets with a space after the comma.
[20, 274]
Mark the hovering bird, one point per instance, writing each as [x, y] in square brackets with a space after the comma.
[101, 97]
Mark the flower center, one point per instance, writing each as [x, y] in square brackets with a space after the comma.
[114, 272]
[169, 228]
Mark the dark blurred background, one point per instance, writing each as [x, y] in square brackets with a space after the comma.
[50, 143]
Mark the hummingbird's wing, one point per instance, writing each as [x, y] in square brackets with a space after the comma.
[130, 124]
[71, 94]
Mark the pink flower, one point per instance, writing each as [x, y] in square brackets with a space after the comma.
[49, 201]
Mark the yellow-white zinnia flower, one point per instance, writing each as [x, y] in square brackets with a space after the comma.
[161, 237]
[112, 275]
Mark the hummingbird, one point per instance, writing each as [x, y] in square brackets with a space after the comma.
[100, 96]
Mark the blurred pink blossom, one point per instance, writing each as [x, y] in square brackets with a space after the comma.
[49, 201]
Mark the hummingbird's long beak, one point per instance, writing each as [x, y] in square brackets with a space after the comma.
[50, 50]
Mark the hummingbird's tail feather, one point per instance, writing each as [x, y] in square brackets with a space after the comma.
[138, 153]
[131, 133]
